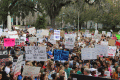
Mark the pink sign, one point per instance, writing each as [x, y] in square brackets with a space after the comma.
[9, 42]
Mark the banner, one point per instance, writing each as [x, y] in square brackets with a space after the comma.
[18, 65]
[88, 53]
[32, 31]
[101, 50]
[35, 53]
[9, 42]
[13, 34]
[30, 70]
[111, 50]
[104, 43]
[61, 55]
[69, 41]
[56, 34]
[111, 42]
[32, 39]
[20, 42]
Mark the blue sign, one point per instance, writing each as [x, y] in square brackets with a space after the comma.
[61, 55]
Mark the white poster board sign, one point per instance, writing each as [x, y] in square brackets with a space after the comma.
[88, 35]
[98, 36]
[30, 70]
[111, 50]
[103, 32]
[0, 31]
[56, 34]
[36, 53]
[32, 31]
[32, 39]
[88, 53]
[104, 43]
[96, 32]
[19, 41]
[13, 34]
[52, 41]
[86, 31]
[69, 41]
[109, 34]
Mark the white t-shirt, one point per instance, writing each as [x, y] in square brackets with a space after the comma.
[7, 70]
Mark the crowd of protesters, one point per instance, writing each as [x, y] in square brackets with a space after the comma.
[61, 70]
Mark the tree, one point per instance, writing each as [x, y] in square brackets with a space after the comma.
[17, 8]
[53, 7]
[40, 23]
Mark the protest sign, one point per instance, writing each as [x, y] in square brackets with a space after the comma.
[5, 30]
[88, 35]
[109, 34]
[86, 31]
[42, 32]
[103, 32]
[69, 41]
[40, 40]
[111, 50]
[20, 42]
[32, 31]
[32, 39]
[9, 42]
[61, 55]
[88, 53]
[23, 38]
[36, 53]
[62, 33]
[52, 41]
[104, 43]
[107, 73]
[3, 61]
[5, 34]
[98, 36]
[13, 34]
[101, 50]
[30, 70]
[118, 36]
[111, 42]
[56, 34]
[39, 34]
[0, 31]
[18, 65]
[14, 64]
[3, 56]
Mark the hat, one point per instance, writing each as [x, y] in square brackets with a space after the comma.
[93, 69]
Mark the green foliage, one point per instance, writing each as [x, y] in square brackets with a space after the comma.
[40, 23]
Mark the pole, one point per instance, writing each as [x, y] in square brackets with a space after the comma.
[78, 21]
[9, 22]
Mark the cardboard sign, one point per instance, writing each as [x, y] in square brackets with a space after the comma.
[111, 50]
[18, 66]
[56, 34]
[88, 53]
[61, 55]
[62, 33]
[52, 41]
[32, 31]
[30, 70]
[69, 41]
[104, 43]
[13, 34]
[111, 42]
[36, 53]
[32, 39]
[9, 42]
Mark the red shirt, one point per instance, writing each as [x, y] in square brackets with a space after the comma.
[44, 67]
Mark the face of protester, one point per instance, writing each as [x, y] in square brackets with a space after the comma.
[52, 66]
[67, 66]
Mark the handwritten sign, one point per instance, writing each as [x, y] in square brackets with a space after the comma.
[111, 42]
[36, 53]
[86, 31]
[62, 33]
[103, 32]
[69, 41]
[18, 66]
[56, 34]
[9, 42]
[13, 34]
[111, 50]
[20, 42]
[109, 34]
[98, 36]
[29, 70]
[61, 55]
[88, 53]
[32, 39]
[104, 43]
[42, 32]
[32, 31]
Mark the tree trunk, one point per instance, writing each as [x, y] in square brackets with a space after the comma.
[113, 27]
[53, 22]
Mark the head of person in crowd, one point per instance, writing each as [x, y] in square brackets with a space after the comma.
[50, 65]
[86, 72]
[29, 64]
[66, 64]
